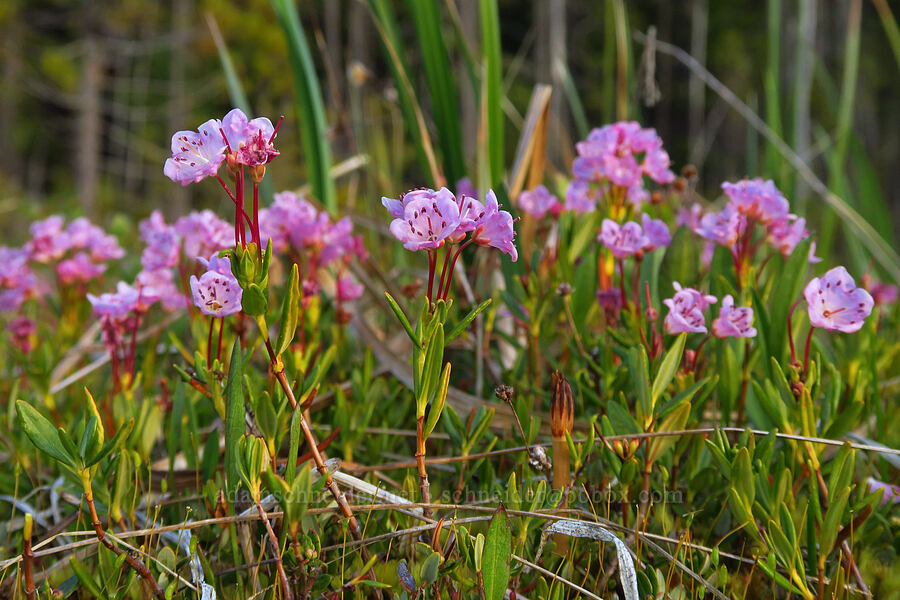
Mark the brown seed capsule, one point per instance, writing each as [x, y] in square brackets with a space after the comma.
[656, 198]
[689, 171]
[504, 393]
[562, 407]
[680, 184]
[411, 289]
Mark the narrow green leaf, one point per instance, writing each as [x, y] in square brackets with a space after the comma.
[496, 555]
[437, 405]
[119, 438]
[311, 110]
[667, 369]
[294, 448]
[42, 433]
[461, 326]
[401, 316]
[234, 417]
[290, 312]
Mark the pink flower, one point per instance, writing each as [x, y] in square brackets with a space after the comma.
[757, 199]
[580, 198]
[14, 269]
[337, 241]
[656, 165]
[657, 233]
[249, 139]
[686, 311]
[160, 285]
[196, 155]
[835, 303]
[22, 330]
[215, 294]
[204, 233]
[80, 268]
[786, 233]
[163, 249]
[494, 227]
[734, 322]
[464, 187]
[217, 264]
[882, 293]
[115, 305]
[622, 153]
[348, 288]
[428, 219]
[539, 202]
[623, 240]
[724, 227]
[155, 222]
[49, 241]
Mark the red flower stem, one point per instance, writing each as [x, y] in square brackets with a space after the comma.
[212, 321]
[453, 267]
[431, 264]
[255, 226]
[806, 352]
[221, 327]
[444, 271]
[790, 330]
[240, 196]
[233, 199]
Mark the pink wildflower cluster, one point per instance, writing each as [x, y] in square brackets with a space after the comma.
[751, 202]
[312, 240]
[539, 202]
[426, 219]
[76, 252]
[615, 158]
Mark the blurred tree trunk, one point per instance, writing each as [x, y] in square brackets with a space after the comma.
[181, 23]
[333, 47]
[696, 89]
[9, 99]
[550, 47]
[468, 16]
[87, 154]
[803, 77]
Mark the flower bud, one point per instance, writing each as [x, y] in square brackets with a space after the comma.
[562, 407]
[257, 173]
[680, 184]
[689, 171]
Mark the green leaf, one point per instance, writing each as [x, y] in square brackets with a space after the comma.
[496, 555]
[493, 92]
[742, 477]
[119, 438]
[461, 326]
[431, 369]
[667, 369]
[430, 568]
[294, 448]
[315, 377]
[254, 300]
[234, 417]
[639, 369]
[402, 318]
[437, 405]
[85, 578]
[311, 110]
[42, 434]
[290, 312]
[676, 421]
[786, 291]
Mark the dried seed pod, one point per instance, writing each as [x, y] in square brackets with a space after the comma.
[562, 407]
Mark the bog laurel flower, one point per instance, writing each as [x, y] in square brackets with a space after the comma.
[686, 309]
[835, 303]
[891, 492]
[494, 227]
[116, 305]
[539, 202]
[428, 219]
[657, 233]
[215, 294]
[623, 240]
[196, 155]
[580, 198]
[723, 227]
[49, 240]
[734, 321]
[347, 288]
[79, 268]
[757, 199]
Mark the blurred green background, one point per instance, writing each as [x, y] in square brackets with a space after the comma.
[90, 93]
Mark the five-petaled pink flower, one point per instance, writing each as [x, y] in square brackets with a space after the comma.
[116, 305]
[494, 227]
[835, 303]
[427, 220]
[196, 155]
[623, 240]
[580, 198]
[734, 321]
[215, 294]
[724, 227]
[757, 199]
[686, 311]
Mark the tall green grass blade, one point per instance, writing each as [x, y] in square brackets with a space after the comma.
[234, 416]
[311, 110]
[836, 166]
[891, 30]
[439, 75]
[493, 69]
[772, 85]
[386, 22]
[574, 100]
